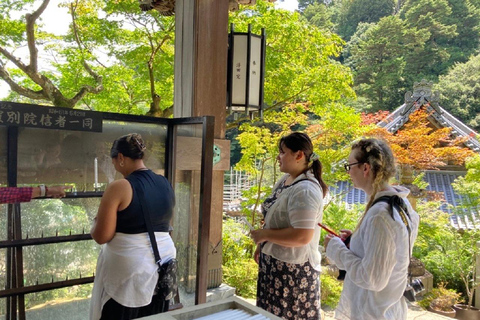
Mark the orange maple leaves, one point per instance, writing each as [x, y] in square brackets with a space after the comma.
[424, 145]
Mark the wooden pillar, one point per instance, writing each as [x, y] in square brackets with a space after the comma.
[201, 39]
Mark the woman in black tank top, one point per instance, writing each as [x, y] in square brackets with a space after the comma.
[120, 225]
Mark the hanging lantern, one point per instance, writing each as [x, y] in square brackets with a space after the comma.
[246, 72]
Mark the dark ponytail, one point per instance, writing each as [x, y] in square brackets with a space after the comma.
[130, 145]
[317, 172]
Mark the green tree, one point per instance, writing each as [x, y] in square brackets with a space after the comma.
[378, 61]
[112, 49]
[319, 15]
[460, 91]
[300, 63]
[303, 4]
[466, 17]
[28, 79]
[431, 19]
[356, 11]
[469, 185]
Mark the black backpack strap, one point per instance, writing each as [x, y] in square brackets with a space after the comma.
[306, 179]
[397, 202]
[148, 222]
[403, 212]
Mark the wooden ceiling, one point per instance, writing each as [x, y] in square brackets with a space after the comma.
[167, 7]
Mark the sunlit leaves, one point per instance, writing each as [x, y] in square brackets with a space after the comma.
[299, 63]
[419, 144]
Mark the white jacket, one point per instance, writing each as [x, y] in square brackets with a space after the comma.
[127, 272]
[376, 264]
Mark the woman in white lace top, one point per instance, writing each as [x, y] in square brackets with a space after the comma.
[287, 246]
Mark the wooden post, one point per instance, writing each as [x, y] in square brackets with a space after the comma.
[201, 39]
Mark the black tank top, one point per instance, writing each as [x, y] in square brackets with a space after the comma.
[159, 199]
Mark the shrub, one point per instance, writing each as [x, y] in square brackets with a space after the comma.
[242, 275]
[435, 245]
[440, 298]
[239, 268]
[331, 289]
[337, 216]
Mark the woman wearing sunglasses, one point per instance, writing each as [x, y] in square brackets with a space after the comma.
[377, 262]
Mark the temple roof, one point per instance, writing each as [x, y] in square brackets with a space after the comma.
[439, 181]
[423, 96]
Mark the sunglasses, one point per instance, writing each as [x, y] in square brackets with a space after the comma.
[348, 166]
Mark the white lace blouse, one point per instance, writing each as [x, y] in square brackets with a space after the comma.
[299, 205]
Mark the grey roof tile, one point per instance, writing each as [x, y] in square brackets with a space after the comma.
[438, 181]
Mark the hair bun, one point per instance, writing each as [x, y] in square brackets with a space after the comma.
[137, 140]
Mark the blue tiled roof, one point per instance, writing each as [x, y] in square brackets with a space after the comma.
[438, 181]
[345, 192]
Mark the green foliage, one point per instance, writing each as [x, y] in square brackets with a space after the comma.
[460, 91]
[378, 58]
[389, 51]
[319, 15]
[431, 18]
[440, 298]
[299, 66]
[131, 50]
[303, 4]
[449, 254]
[357, 11]
[466, 17]
[242, 275]
[330, 290]
[239, 268]
[337, 216]
[251, 200]
[419, 181]
[469, 185]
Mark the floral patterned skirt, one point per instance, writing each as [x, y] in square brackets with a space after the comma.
[290, 291]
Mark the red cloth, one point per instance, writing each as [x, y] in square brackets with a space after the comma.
[14, 195]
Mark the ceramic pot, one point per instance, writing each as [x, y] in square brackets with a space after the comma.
[448, 314]
[462, 312]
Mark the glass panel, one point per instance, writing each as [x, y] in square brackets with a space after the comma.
[68, 157]
[3, 156]
[62, 217]
[3, 271]
[187, 192]
[65, 303]
[3, 308]
[59, 261]
[3, 221]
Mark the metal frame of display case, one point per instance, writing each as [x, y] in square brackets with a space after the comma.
[15, 291]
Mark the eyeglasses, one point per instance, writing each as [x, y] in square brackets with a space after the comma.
[348, 166]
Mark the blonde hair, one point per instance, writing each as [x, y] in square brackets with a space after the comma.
[378, 154]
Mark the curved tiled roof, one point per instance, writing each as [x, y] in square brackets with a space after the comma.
[439, 181]
[423, 96]
[400, 116]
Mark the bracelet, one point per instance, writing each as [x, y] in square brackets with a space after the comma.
[43, 190]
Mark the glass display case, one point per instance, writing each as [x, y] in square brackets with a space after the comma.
[46, 251]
